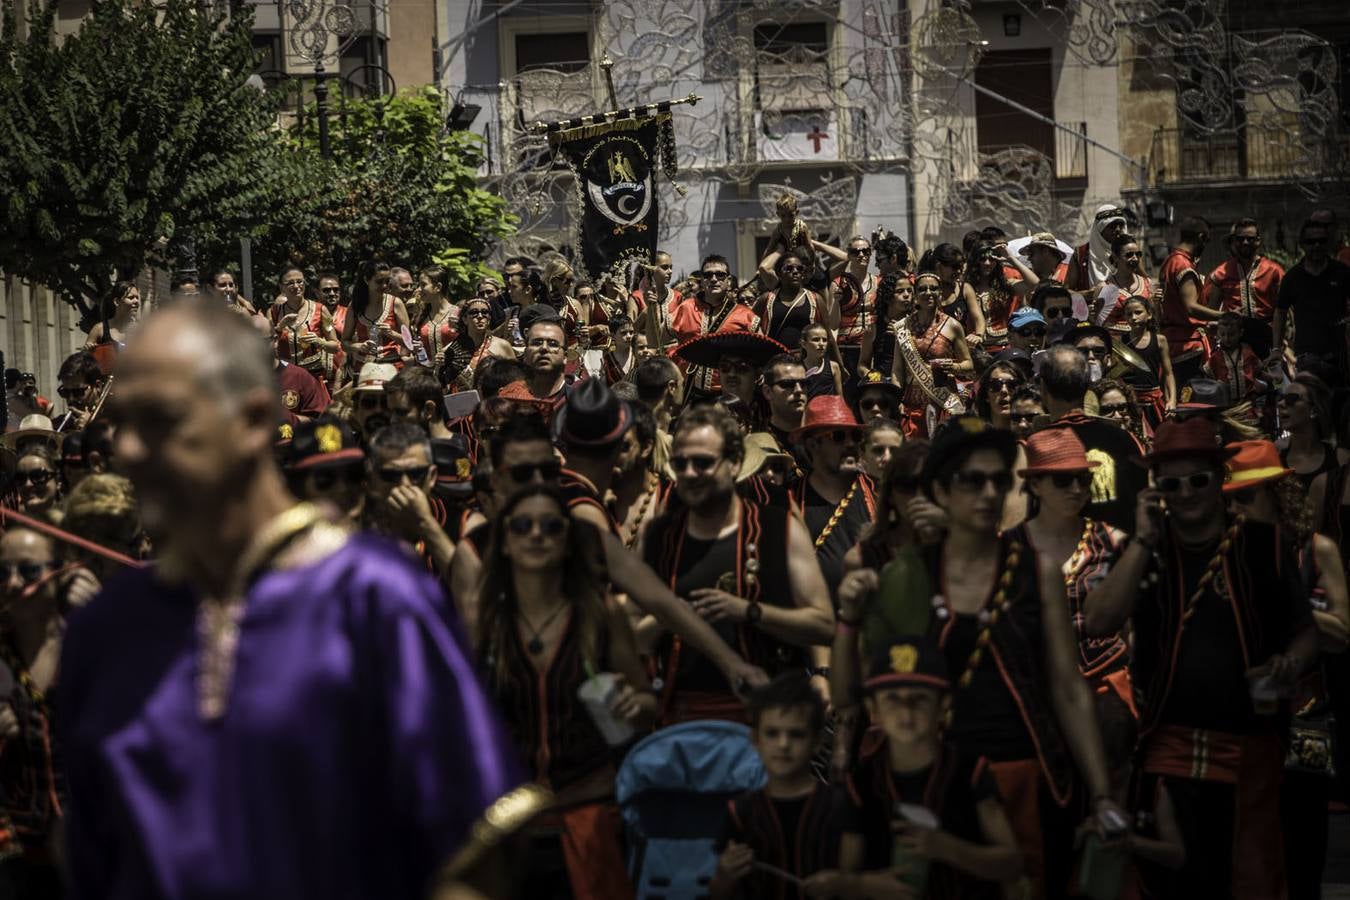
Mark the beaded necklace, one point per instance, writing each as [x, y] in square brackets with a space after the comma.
[1079, 551]
[1211, 569]
[636, 527]
[836, 515]
[989, 613]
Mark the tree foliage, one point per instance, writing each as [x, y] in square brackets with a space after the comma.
[398, 187]
[122, 139]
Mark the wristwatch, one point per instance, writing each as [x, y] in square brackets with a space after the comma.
[753, 612]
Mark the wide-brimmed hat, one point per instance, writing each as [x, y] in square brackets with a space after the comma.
[33, 427]
[1081, 330]
[826, 413]
[320, 443]
[909, 662]
[454, 467]
[962, 434]
[708, 349]
[1195, 437]
[760, 447]
[374, 376]
[592, 416]
[1253, 463]
[1055, 450]
[1047, 240]
[1203, 395]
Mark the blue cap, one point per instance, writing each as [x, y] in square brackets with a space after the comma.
[1024, 316]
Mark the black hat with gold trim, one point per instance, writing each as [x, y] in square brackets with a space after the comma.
[909, 662]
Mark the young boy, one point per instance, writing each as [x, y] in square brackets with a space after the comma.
[919, 811]
[1232, 362]
[792, 823]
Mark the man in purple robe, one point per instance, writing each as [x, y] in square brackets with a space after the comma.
[277, 709]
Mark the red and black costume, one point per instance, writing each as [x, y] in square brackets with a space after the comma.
[857, 314]
[32, 783]
[1005, 711]
[748, 564]
[1250, 292]
[1186, 338]
[835, 527]
[1195, 638]
[799, 835]
[952, 787]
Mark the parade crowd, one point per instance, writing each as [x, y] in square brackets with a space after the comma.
[1018, 569]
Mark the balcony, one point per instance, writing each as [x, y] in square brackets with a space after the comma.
[1071, 155]
[1263, 154]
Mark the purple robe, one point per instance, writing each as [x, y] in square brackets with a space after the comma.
[355, 752]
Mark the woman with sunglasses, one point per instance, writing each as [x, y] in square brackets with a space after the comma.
[1116, 401]
[853, 292]
[303, 328]
[930, 353]
[1058, 477]
[893, 300]
[994, 295]
[958, 297]
[546, 628]
[785, 312]
[1126, 281]
[372, 327]
[994, 393]
[459, 361]
[38, 484]
[1305, 411]
[32, 783]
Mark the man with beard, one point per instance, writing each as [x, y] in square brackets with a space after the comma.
[1090, 264]
[399, 478]
[1222, 630]
[1317, 292]
[1094, 342]
[1184, 313]
[1026, 329]
[277, 707]
[660, 388]
[523, 454]
[545, 354]
[712, 309]
[737, 356]
[1064, 380]
[370, 406]
[80, 381]
[1247, 283]
[836, 500]
[747, 569]
[785, 390]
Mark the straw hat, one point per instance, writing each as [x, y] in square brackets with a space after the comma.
[760, 447]
[826, 413]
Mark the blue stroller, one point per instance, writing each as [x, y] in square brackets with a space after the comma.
[673, 789]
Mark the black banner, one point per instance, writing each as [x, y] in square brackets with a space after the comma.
[615, 167]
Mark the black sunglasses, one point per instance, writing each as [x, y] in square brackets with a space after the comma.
[1113, 409]
[702, 463]
[714, 276]
[549, 526]
[1034, 331]
[36, 477]
[395, 476]
[735, 365]
[859, 251]
[1065, 480]
[1003, 384]
[1058, 312]
[524, 472]
[64, 392]
[327, 478]
[794, 269]
[974, 480]
[28, 571]
[839, 436]
[1170, 484]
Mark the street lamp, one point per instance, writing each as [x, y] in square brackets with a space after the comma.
[311, 26]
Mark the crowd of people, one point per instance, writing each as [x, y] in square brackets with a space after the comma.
[1020, 568]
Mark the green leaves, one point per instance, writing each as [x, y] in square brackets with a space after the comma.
[398, 188]
[134, 129]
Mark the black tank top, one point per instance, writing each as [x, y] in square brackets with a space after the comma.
[1151, 379]
[788, 317]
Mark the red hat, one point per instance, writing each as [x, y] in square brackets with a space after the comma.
[1253, 463]
[1056, 450]
[519, 392]
[826, 413]
[1193, 437]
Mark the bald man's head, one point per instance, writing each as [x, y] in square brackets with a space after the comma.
[224, 352]
[1064, 374]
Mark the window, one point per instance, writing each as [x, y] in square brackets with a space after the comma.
[547, 64]
[794, 111]
[567, 52]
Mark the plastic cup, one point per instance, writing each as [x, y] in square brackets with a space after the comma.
[915, 867]
[595, 693]
[1265, 695]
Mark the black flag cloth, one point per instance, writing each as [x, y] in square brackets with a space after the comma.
[615, 168]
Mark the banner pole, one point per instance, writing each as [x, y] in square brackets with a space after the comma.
[614, 115]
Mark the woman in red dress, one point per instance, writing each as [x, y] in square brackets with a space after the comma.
[303, 328]
[439, 324]
[371, 330]
[930, 353]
